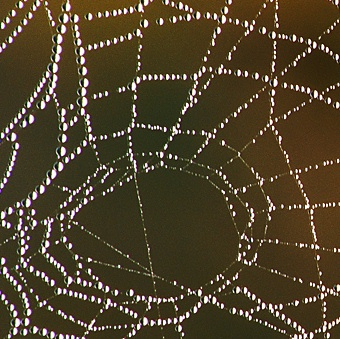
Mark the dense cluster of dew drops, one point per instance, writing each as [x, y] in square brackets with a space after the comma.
[44, 94]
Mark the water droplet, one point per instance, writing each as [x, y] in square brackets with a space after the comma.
[144, 23]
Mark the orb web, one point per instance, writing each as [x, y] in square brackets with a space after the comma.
[169, 169]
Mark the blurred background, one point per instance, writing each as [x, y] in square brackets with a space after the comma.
[231, 230]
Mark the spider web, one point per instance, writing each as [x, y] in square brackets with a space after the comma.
[169, 169]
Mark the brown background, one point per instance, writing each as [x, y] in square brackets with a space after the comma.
[190, 231]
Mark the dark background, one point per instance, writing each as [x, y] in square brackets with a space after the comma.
[190, 231]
